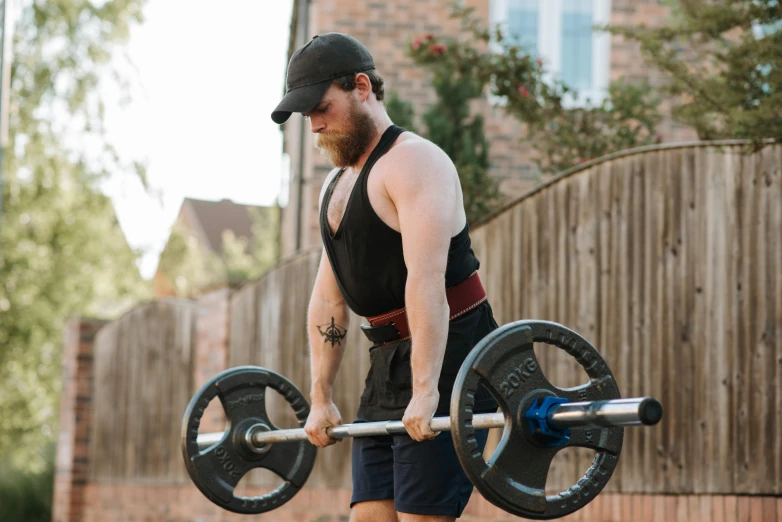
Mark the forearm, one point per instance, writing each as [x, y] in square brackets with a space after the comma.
[427, 316]
[327, 325]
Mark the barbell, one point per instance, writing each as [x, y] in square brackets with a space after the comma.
[558, 417]
[538, 420]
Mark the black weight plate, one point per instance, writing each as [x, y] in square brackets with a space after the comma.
[515, 477]
[218, 469]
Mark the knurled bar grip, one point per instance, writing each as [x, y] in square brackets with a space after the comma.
[617, 412]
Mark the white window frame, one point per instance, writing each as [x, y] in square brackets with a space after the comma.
[549, 45]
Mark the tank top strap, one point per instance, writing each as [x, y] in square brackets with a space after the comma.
[386, 140]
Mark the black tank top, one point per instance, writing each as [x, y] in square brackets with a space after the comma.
[366, 254]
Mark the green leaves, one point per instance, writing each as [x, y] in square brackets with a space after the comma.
[561, 132]
[62, 252]
[723, 61]
[26, 496]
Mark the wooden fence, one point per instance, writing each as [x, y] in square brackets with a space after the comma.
[143, 380]
[669, 260]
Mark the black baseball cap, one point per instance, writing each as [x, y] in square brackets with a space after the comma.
[313, 67]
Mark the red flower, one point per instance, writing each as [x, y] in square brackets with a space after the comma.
[539, 61]
[416, 43]
[523, 91]
[428, 37]
[437, 49]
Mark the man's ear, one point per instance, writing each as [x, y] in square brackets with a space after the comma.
[363, 86]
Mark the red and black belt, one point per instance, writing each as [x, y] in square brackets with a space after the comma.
[392, 326]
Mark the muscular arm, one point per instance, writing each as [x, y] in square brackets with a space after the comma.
[327, 323]
[327, 326]
[426, 203]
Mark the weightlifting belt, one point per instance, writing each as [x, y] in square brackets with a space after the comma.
[392, 326]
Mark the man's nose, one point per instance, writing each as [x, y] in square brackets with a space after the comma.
[316, 124]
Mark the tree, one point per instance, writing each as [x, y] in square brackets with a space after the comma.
[562, 133]
[400, 111]
[724, 62]
[259, 254]
[26, 496]
[62, 252]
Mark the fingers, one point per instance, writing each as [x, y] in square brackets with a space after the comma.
[418, 428]
[313, 434]
[316, 430]
[323, 437]
[412, 425]
[318, 436]
[426, 431]
[331, 440]
[335, 421]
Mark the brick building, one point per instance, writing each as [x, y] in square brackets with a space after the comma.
[559, 30]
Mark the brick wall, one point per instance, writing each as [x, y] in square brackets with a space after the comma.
[211, 349]
[74, 436]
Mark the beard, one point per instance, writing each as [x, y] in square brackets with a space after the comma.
[343, 148]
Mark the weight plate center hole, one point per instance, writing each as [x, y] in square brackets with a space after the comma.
[248, 438]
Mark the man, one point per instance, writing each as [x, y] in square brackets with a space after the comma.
[396, 251]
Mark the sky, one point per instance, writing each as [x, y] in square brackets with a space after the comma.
[205, 80]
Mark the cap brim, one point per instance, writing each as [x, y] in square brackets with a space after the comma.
[302, 99]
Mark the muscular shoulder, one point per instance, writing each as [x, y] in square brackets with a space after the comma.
[420, 159]
[421, 181]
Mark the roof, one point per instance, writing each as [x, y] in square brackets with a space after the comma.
[217, 216]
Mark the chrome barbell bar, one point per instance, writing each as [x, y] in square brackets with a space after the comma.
[617, 412]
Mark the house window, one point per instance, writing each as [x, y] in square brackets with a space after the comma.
[560, 32]
[522, 20]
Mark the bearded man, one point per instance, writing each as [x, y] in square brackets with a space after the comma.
[397, 251]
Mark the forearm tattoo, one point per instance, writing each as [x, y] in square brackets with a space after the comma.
[332, 333]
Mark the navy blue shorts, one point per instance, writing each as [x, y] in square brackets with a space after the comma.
[423, 478]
